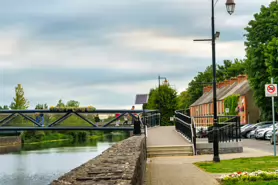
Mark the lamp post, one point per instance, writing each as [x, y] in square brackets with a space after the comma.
[230, 6]
[165, 81]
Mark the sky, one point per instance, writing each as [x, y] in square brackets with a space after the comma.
[103, 53]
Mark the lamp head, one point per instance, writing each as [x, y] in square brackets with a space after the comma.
[230, 5]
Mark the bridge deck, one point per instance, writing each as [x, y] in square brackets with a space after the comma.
[165, 136]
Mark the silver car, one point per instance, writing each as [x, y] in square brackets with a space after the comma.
[262, 132]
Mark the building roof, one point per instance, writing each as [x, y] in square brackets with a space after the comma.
[222, 93]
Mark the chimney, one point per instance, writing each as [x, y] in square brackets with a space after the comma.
[205, 90]
[241, 78]
[233, 80]
[226, 83]
[209, 88]
[220, 85]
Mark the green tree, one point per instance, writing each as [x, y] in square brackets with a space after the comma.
[168, 98]
[260, 33]
[41, 106]
[183, 100]
[73, 103]
[5, 107]
[20, 102]
[60, 103]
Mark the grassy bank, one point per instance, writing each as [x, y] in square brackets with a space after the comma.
[249, 171]
[239, 165]
[30, 137]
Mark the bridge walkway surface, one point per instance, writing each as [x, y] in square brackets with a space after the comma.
[171, 170]
[165, 136]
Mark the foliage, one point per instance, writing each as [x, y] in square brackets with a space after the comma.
[20, 102]
[250, 177]
[5, 107]
[168, 98]
[231, 102]
[41, 106]
[73, 103]
[60, 104]
[268, 163]
[194, 91]
[39, 136]
[183, 100]
[260, 38]
[73, 109]
[271, 182]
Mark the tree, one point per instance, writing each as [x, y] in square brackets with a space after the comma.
[183, 100]
[41, 106]
[194, 91]
[20, 102]
[60, 104]
[168, 98]
[5, 107]
[73, 103]
[260, 33]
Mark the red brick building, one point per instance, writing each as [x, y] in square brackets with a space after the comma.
[247, 110]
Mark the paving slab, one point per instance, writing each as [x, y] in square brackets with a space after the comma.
[165, 136]
[181, 170]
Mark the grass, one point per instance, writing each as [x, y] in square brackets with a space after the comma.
[242, 164]
[274, 182]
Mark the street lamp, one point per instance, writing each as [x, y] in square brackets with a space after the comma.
[230, 6]
[165, 82]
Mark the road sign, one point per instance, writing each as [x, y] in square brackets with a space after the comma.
[270, 90]
[172, 119]
[227, 110]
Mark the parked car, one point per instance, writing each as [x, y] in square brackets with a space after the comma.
[247, 131]
[269, 134]
[272, 138]
[260, 133]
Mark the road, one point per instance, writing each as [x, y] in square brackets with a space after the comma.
[263, 145]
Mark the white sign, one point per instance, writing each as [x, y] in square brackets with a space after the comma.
[171, 118]
[270, 90]
[227, 110]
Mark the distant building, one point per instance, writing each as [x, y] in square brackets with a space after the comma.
[247, 110]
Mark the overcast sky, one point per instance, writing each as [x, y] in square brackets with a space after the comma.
[103, 53]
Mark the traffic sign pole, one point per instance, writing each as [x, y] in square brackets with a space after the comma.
[273, 118]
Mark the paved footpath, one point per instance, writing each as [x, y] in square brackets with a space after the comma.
[182, 171]
[165, 136]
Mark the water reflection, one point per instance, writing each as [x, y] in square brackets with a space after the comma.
[40, 167]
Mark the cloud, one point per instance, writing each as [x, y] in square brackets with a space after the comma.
[153, 41]
[104, 52]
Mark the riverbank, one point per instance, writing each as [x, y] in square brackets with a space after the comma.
[30, 137]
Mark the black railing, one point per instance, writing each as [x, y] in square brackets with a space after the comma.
[53, 120]
[185, 126]
[152, 119]
[228, 129]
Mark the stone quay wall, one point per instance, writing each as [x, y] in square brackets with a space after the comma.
[10, 140]
[123, 164]
[10, 144]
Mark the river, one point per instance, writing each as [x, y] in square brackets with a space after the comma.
[41, 166]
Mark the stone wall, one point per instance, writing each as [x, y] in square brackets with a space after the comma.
[10, 140]
[10, 144]
[224, 148]
[123, 164]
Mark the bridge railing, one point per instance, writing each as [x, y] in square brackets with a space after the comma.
[227, 129]
[185, 126]
[54, 119]
[152, 119]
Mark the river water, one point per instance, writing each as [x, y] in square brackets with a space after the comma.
[41, 167]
